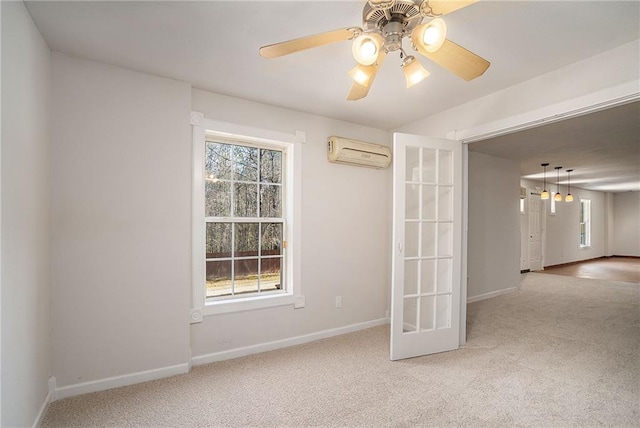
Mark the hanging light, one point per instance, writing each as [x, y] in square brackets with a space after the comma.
[569, 196]
[413, 71]
[544, 194]
[558, 196]
[366, 48]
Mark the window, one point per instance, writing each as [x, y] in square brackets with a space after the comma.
[552, 203]
[245, 218]
[585, 223]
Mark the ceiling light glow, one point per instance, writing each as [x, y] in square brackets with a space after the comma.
[430, 36]
[366, 48]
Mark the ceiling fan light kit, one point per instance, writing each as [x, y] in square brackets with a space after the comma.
[366, 48]
[414, 72]
[361, 74]
[430, 36]
[386, 23]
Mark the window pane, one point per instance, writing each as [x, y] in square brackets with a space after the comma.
[245, 200]
[270, 201]
[218, 278]
[410, 277]
[245, 278]
[428, 165]
[271, 239]
[218, 240]
[409, 314]
[426, 313]
[271, 274]
[445, 167]
[217, 161]
[245, 163]
[429, 202]
[413, 164]
[217, 202]
[246, 240]
[427, 274]
[412, 202]
[411, 239]
[443, 311]
[270, 166]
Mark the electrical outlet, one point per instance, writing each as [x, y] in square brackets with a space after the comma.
[299, 302]
[338, 302]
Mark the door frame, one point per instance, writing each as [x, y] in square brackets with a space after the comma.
[601, 100]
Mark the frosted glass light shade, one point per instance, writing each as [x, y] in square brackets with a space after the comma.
[568, 198]
[431, 35]
[361, 74]
[544, 195]
[366, 48]
[413, 71]
[558, 197]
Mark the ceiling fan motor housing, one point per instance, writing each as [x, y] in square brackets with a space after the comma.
[393, 23]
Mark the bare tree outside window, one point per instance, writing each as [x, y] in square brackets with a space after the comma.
[244, 216]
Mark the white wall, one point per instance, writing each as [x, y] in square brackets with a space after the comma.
[120, 220]
[626, 224]
[346, 233]
[26, 339]
[562, 230]
[494, 225]
[609, 69]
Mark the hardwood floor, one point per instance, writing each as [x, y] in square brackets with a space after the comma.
[623, 269]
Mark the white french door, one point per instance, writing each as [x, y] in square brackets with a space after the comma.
[427, 237]
[536, 209]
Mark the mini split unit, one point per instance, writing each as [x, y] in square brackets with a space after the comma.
[352, 152]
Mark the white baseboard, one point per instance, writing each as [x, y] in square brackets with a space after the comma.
[491, 294]
[284, 343]
[118, 381]
[43, 410]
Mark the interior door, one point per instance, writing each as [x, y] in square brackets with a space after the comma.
[427, 237]
[535, 232]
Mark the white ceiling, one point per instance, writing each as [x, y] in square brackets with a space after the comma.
[602, 148]
[214, 46]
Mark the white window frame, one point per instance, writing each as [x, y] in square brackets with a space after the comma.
[587, 233]
[292, 185]
[552, 203]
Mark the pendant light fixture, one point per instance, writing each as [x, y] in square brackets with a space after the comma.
[569, 196]
[544, 194]
[558, 196]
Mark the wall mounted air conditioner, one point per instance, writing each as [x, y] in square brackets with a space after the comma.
[352, 152]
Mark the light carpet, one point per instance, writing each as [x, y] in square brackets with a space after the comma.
[560, 351]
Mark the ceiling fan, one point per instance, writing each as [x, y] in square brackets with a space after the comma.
[386, 23]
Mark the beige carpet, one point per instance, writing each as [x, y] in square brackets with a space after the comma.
[560, 351]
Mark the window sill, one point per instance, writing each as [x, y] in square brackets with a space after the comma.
[247, 304]
[584, 247]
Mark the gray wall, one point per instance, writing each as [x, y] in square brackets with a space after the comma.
[120, 221]
[494, 225]
[26, 339]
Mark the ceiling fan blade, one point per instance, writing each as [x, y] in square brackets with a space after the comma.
[358, 91]
[443, 7]
[308, 42]
[457, 60]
